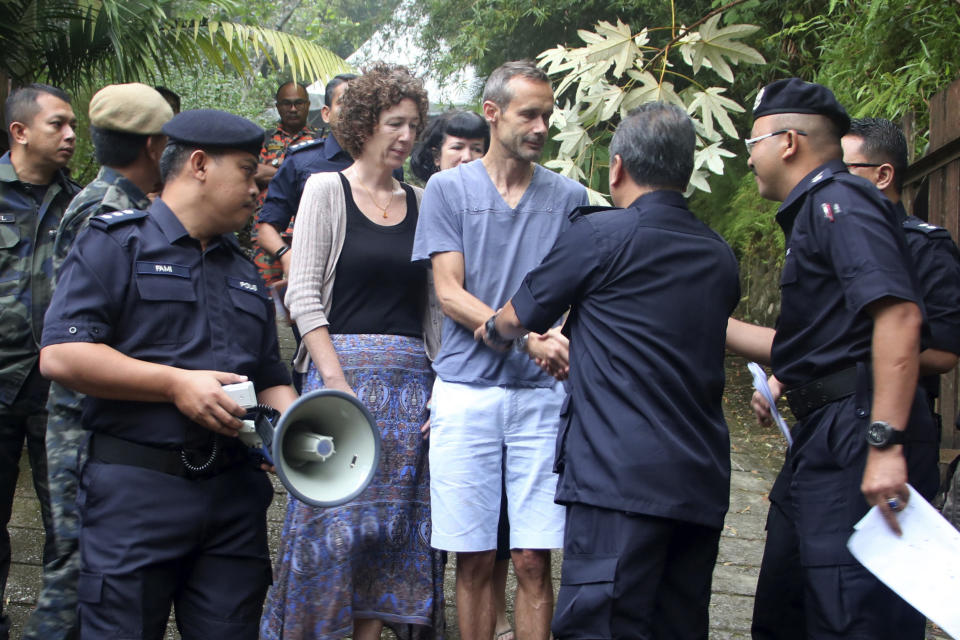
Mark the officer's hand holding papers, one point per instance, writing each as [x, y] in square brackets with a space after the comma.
[760, 384]
[922, 565]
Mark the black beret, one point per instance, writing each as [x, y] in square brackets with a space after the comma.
[209, 128]
[793, 95]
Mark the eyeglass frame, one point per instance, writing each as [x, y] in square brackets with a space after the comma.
[750, 142]
[299, 103]
[864, 165]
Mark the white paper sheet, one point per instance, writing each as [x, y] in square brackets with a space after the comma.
[760, 384]
[922, 566]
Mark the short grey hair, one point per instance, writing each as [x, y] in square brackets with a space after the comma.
[656, 143]
[497, 89]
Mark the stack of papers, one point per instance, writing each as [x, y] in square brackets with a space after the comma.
[922, 566]
[760, 384]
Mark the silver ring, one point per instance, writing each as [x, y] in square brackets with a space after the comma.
[893, 503]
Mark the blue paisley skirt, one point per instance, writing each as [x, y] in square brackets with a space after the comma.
[371, 557]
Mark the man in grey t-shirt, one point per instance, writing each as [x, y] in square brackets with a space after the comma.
[484, 225]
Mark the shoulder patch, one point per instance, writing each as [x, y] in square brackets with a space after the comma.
[916, 224]
[107, 220]
[300, 146]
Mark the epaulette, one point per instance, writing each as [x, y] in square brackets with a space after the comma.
[300, 146]
[587, 209]
[916, 224]
[112, 219]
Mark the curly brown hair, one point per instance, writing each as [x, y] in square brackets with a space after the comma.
[381, 87]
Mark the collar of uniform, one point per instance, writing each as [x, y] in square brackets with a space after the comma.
[305, 131]
[173, 229]
[331, 148]
[902, 214]
[660, 197]
[9, 174]
[132, 191]
[790, 206]
[168, 221]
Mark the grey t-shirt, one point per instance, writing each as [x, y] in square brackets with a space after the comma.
[463, 211]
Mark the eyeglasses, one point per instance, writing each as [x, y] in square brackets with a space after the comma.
[749, 142]
[293, 103]
[862, 164]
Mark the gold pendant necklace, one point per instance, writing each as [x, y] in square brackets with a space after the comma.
[383, 210]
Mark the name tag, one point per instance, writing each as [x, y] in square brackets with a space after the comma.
[245, 285]
[162, 269]
[7, 218]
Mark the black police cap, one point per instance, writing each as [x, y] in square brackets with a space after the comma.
[210, 128]
[793, 95]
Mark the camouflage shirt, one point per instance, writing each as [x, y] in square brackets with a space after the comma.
[28, 227]
[108, 192]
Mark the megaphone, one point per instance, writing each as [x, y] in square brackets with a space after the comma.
[325, 446]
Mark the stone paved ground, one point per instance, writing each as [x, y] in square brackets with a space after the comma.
[755, 456]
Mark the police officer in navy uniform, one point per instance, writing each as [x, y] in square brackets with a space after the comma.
[875, 149]
[153, 312]
[846, 349]
[643, 451]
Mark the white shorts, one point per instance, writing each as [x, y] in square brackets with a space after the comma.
[475, 432]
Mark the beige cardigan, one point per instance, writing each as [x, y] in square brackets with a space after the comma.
[320, 229]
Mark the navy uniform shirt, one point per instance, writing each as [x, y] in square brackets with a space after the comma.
[302, 161]
[29, 216]
[844, 251]
[651, 288]
[937, 262]
[138, 282]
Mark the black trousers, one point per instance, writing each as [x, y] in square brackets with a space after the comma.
[810, 586]
[634, 576]
[149, 540]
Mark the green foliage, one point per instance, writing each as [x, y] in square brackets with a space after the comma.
[885, 58]
[487, 33]
[72, 42]
[618, 70]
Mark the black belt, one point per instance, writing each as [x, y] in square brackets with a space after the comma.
[112, 450]
[807, 398]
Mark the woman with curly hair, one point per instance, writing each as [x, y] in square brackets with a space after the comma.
[368, 319]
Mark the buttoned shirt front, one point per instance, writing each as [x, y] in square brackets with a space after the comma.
[28, 228]
[651, 288]
[138, 282]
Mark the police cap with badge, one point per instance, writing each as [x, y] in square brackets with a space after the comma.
[793, 95]
[214, 130]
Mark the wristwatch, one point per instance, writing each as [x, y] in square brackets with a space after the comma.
[493, 335]
[520, 344]
[881, 435]
[282, 250]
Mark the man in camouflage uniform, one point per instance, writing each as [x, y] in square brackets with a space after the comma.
[34, 191]
[125, 126]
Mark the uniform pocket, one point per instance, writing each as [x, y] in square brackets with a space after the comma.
[585, 600]
[250, 315]
[90, 587]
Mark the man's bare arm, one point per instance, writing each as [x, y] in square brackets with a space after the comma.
[279, 397]
[750, 340]
[457, 303]
[271, 241]
[936, 361]
[264, 175]
[198, 395]
[895, 357]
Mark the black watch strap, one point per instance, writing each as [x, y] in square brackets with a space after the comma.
[493, 335]
[881, 435]
[282, 250]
